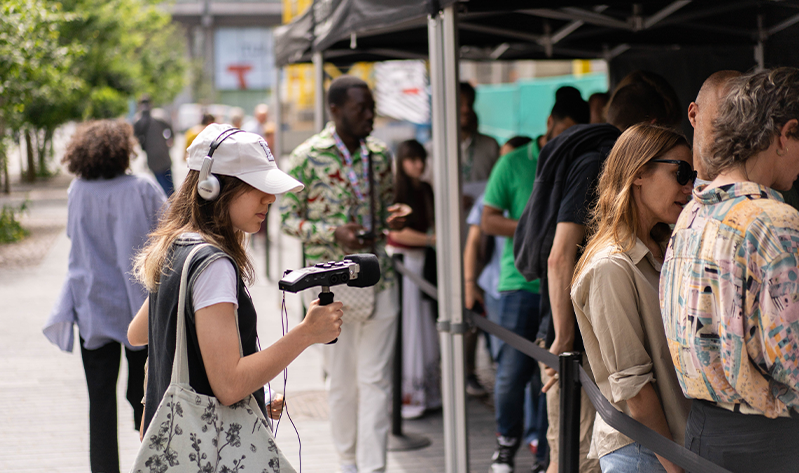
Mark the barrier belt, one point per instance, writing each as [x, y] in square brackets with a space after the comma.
[424, 285]
[625, 424]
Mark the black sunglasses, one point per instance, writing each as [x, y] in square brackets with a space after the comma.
[685, 173]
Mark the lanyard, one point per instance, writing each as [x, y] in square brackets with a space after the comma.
[356, 185]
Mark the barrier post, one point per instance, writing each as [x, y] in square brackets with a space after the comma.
[396, 400]
[399, 441]
[569, 379]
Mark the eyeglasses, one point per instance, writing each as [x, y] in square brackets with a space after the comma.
[685, 173]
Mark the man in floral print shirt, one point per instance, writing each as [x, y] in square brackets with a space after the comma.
[327, 216]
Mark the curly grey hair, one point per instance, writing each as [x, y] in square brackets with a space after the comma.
[758, 105]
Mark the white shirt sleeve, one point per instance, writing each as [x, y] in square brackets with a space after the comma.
[216, 284]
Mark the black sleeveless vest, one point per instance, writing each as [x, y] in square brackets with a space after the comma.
[163, 324]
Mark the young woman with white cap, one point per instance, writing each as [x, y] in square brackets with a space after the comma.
[232, 180]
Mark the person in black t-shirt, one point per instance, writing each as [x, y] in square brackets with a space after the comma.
[552, 230]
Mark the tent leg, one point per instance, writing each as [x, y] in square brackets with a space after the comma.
[319, 91]
[760, 47]
[277, 151]
[444, 50]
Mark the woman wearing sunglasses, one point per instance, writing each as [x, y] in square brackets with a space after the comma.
[646, 181]
[730, 285]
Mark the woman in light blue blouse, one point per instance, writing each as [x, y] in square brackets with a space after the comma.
[110, 214]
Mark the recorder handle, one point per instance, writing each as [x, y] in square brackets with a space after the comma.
[326, 298]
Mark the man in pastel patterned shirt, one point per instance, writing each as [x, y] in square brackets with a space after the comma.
[330, 216]
[728, 289]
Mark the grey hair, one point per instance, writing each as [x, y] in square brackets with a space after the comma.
[758, 105]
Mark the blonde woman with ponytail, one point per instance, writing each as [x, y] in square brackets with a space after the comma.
[646, 181]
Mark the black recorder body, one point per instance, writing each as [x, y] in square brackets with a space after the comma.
[321, 274]
[361, 270]
[354, 270]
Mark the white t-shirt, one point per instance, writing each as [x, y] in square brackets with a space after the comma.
[216, 284]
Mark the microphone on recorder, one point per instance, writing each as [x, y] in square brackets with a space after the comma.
[361, 270]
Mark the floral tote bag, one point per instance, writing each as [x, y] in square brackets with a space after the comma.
[192, 432]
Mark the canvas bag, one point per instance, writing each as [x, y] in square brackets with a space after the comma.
[193, 432]
[359, 302]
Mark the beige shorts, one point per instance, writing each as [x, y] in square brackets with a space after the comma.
[587, 415]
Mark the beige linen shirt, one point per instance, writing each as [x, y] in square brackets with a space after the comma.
[618, 311]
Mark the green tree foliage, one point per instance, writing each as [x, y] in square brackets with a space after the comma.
[131, 48]
[10, 228]
[33, 62]
[82, 59]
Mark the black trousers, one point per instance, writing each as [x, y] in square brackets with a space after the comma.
[102, 371]
[741, 442]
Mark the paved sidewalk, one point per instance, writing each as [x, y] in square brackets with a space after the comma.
[43, 399]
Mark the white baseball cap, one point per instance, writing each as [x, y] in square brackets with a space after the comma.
[243, 155]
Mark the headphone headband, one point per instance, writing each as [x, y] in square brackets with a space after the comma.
[222, 137]
[208, 185]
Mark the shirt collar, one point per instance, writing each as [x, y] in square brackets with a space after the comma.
[533, 150]
[324, 139]
[641, 251]
[706, 195]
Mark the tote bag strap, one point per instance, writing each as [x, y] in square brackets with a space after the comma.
[180, 363]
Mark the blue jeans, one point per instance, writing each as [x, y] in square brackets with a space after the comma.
[633, 458]
[165, 179]
[535, 416]
[517, 311]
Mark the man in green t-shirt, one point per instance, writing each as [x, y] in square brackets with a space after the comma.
[508, 190]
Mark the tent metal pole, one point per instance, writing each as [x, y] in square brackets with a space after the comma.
[277, 113]
[455, 268]
[319, 91]
[441, 203]
[443, 44]
[277, 151]
[760, 47]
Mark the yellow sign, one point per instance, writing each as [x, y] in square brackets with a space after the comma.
[581, 66]
[300, 77]
[294, 8]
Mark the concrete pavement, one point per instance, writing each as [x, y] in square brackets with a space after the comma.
[43, 399]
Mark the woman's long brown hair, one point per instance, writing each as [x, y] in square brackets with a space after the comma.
[614, 218]
[188, 212]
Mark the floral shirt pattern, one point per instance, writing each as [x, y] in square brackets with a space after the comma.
[328, 199]
[729, 295]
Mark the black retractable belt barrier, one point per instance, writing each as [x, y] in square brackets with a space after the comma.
[577, 379]
[625, 424]
[569, 416]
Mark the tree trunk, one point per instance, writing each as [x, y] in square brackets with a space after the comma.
[43, 147]
[6, 180]
[30, 176]
[4, 158]
[40, 146]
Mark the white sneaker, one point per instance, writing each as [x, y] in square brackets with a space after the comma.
[500, 468]
[412, 412]
[349, 468]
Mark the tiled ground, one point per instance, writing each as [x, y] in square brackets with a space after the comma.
[43, 400]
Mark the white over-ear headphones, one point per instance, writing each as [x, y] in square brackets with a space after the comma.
[208, 185]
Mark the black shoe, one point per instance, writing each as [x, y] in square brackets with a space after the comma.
[502, 460]
[538, 467]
